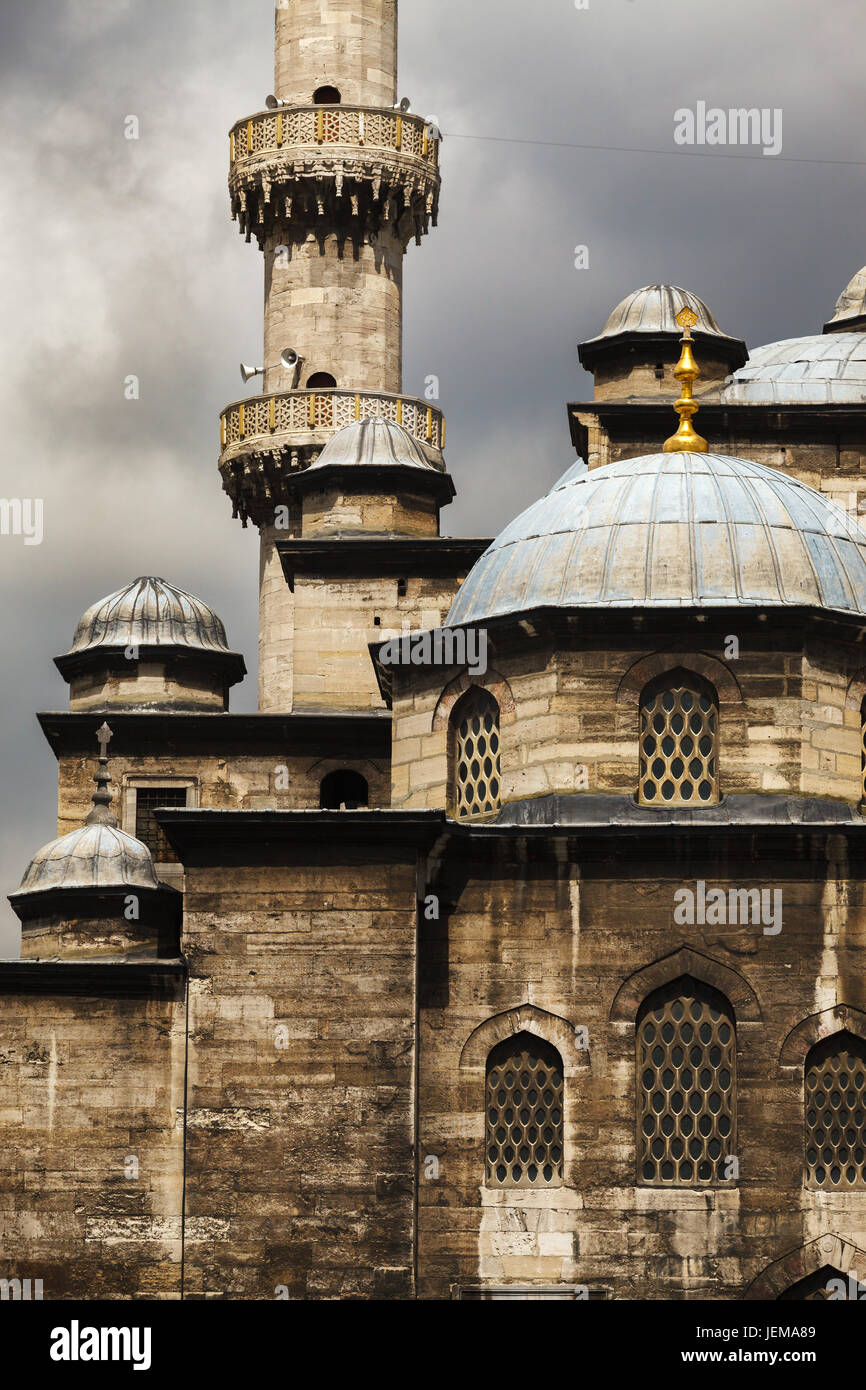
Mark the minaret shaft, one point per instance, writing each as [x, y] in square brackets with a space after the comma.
[338, 303]
[347, 44]
[334, 181]
[339, 306]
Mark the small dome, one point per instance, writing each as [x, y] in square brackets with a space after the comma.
[851, 305]
[821, 369]
[96, 856]
[374, 443]
[149, 612]
[653, 309]
[671, 530]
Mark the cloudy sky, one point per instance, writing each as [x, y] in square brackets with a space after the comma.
[119, 257]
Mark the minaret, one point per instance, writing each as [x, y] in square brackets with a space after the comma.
[333, 180]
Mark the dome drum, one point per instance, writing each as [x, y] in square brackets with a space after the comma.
[571, 685]
[87, 923]
[104, 678]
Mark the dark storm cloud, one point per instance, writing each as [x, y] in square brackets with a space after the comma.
[118, 257]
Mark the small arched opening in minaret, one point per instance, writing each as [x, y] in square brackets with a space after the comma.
[343, 790]
[321, 381]
[327, 96]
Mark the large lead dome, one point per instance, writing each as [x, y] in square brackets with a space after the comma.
[671, 530]
[824, 368]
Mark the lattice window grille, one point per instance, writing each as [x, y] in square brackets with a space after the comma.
[678, 743]
[863, 752]
[686, 1069]
[524, 1114]
[477, 756]
[147, 828]
[835, 1095]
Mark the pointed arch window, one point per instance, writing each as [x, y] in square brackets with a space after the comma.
[679, 741]
[686, 1086]
[524, 1113]
[835, 1096]
[475, 763]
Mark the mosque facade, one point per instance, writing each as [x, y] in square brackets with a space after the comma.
[514, 947]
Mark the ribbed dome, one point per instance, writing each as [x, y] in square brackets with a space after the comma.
[150, 612]
[671, 530]
[653, 309]
[373, 443]
[826, 367]
[851, 304]
[96, 856]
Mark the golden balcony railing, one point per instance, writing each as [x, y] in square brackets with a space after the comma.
[266, 440]
[365, 127]
[357, 167]
[260, 420]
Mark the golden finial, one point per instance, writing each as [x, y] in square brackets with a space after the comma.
[686, 372]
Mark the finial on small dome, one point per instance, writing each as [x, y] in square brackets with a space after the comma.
[686, 372]
[102, 813]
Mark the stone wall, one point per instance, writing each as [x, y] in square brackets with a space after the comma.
[301, 1074]
[336, 617]
[276, 627]
[235, 782]
[91, 1145]
[542, 938]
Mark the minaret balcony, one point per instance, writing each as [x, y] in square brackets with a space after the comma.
[266, 438]
[348, 168]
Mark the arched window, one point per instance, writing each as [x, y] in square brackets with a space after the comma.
[474, 754]
[863, 751]
[686, 1077]
[679, 741]
[327, 96]
[343, 790]
[524, 1113]
[835, 1093]
[321, 381]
